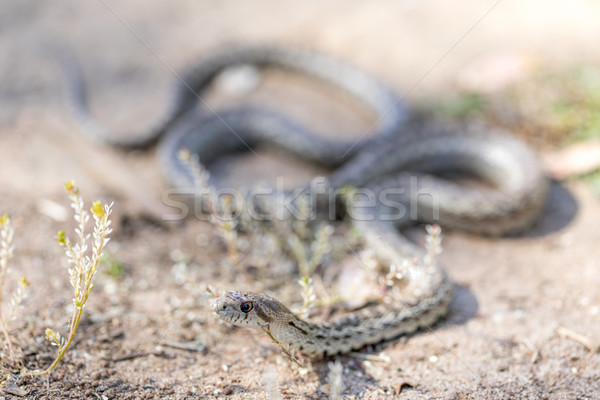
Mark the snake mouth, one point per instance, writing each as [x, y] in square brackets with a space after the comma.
[222, 310]
[219, 310]
[218, 307]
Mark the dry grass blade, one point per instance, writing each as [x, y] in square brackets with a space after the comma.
[589, 343]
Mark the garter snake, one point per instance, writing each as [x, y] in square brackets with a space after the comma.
[400, 164]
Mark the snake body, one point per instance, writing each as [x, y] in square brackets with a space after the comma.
[190, 84]
[512, 203]
[364, 327]
[400, 164]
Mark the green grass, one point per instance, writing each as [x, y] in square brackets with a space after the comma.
[550, 109]
[577, 107]
[593, 180]
[113, 267]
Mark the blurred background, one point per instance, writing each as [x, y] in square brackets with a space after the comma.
[456, 59]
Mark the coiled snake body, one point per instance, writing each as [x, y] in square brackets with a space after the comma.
[399, 164]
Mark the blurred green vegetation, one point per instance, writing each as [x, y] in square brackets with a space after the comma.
[593, 179]
[462, 106]
[550, 108]
[112, 267]
[577, 109]
[564, 102]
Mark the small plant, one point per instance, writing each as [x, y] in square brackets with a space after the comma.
[113, 267]
[308, 244]
[82, 265]
[227, 225]
[308, 296]
[271, 385]
[309, 259]
[223, 211]
[6, 252]
[433, 244]
[334, 379]
[410, 270]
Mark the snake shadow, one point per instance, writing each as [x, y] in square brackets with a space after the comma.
[560, 210]
[463, 307]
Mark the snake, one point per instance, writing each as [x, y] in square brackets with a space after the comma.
[407, 165]
[512, 203]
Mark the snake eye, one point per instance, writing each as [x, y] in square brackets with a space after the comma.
[246, 306]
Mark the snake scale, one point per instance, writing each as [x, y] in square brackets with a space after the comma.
[404, 163]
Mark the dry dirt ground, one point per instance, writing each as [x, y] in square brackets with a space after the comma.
[500, 339]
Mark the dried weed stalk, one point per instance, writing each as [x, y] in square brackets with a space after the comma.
[6, 252]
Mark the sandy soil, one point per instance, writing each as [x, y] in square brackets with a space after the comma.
[500, 339]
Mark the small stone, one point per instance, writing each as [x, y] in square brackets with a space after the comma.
[228, 390]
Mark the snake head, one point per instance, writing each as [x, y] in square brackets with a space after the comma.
[247, 309]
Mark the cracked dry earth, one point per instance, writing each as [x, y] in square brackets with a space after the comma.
[514, 297]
